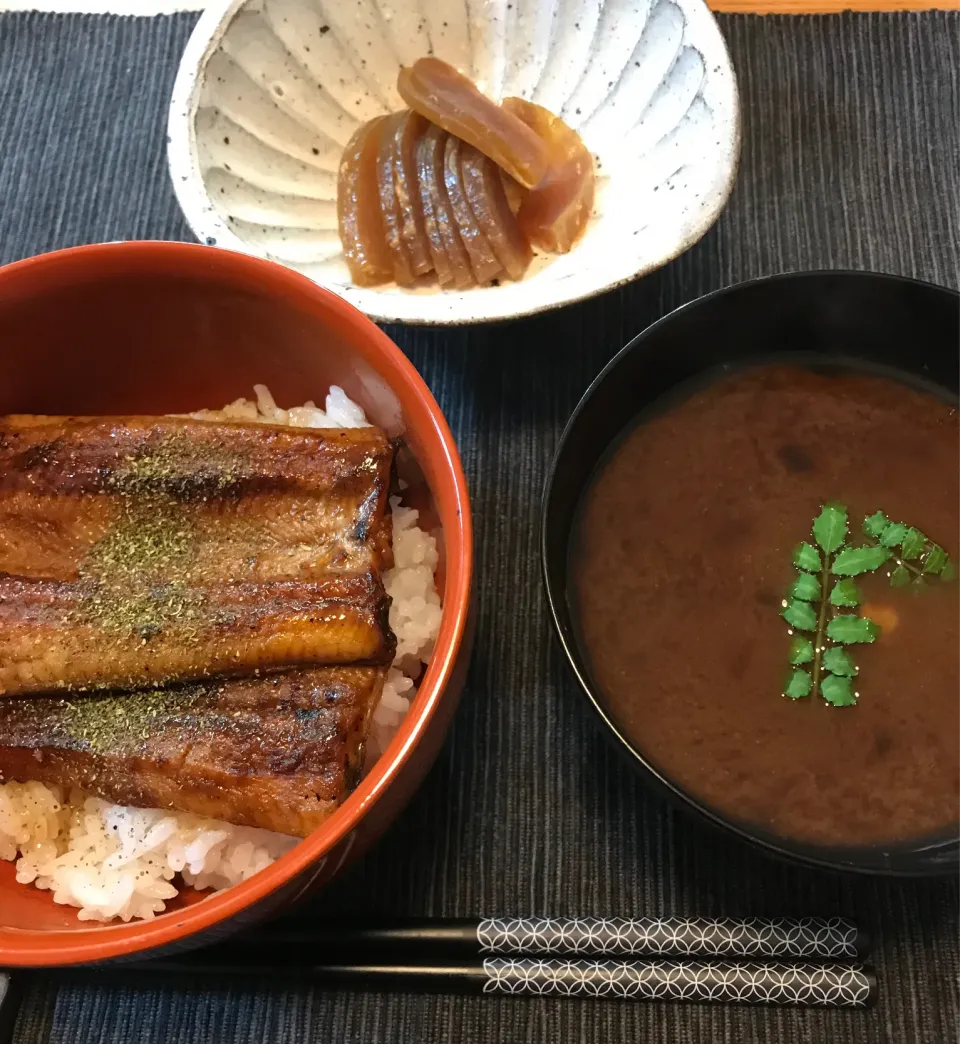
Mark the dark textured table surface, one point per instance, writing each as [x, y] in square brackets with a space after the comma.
[851, 148]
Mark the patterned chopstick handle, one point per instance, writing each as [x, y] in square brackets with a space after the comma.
[803, 985]
[803, 937]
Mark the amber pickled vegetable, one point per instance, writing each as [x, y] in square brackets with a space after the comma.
[441, 263]
[514, 191]
[483, 260]
[389, 207]
[554, 214]
[406, 135]
[488, 201]
[431, 169]
[358, 209]
[445, 97]
[459, 186]
[449, 256]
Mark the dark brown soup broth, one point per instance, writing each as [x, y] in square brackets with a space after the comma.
[680, 559]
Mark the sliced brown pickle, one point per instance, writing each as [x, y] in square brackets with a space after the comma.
[445, 97]
[389, 205]
[554, 214]
[358, 209]
[412, 229]
[483, 260]
[429, 204]
[485, 193]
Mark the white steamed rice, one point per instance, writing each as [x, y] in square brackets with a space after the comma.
[112, 861]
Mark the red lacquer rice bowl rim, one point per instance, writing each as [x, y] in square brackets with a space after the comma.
[26, 947]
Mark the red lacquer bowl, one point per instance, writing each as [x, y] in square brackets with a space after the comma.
[170, 327]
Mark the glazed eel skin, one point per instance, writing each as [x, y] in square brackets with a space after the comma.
[139, 551]
[279, 752]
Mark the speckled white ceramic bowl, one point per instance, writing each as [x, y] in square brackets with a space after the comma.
[269, 92]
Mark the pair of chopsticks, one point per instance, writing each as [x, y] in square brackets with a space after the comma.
[781, 961]
[799, 962]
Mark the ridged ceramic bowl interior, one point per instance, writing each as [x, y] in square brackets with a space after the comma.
[269, 92]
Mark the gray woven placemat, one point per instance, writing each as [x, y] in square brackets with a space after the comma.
[852, 140]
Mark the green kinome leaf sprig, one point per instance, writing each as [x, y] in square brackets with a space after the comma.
[821, 604]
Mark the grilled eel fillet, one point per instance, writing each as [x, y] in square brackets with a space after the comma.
[279, 752]
[139, 551]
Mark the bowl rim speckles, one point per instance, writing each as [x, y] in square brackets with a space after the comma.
[212, 227]
[851, 315]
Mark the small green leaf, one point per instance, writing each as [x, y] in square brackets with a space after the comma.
[900, 577]
[838, 691]
[806, 588]
[801, 650]
[935, 560]
[855, 560]
[913, 544]
[800, 615]
[838, 661]
[845, 593]
[849, 629]
[806, 556]
[830, 527]
[874, 525]
[893, 535]
[949, 571]
[799, 684]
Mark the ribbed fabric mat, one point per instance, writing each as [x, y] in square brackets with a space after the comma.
[851, 148]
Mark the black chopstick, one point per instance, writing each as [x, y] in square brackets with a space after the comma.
[780, 938]
[798, 985]
[705, 982]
